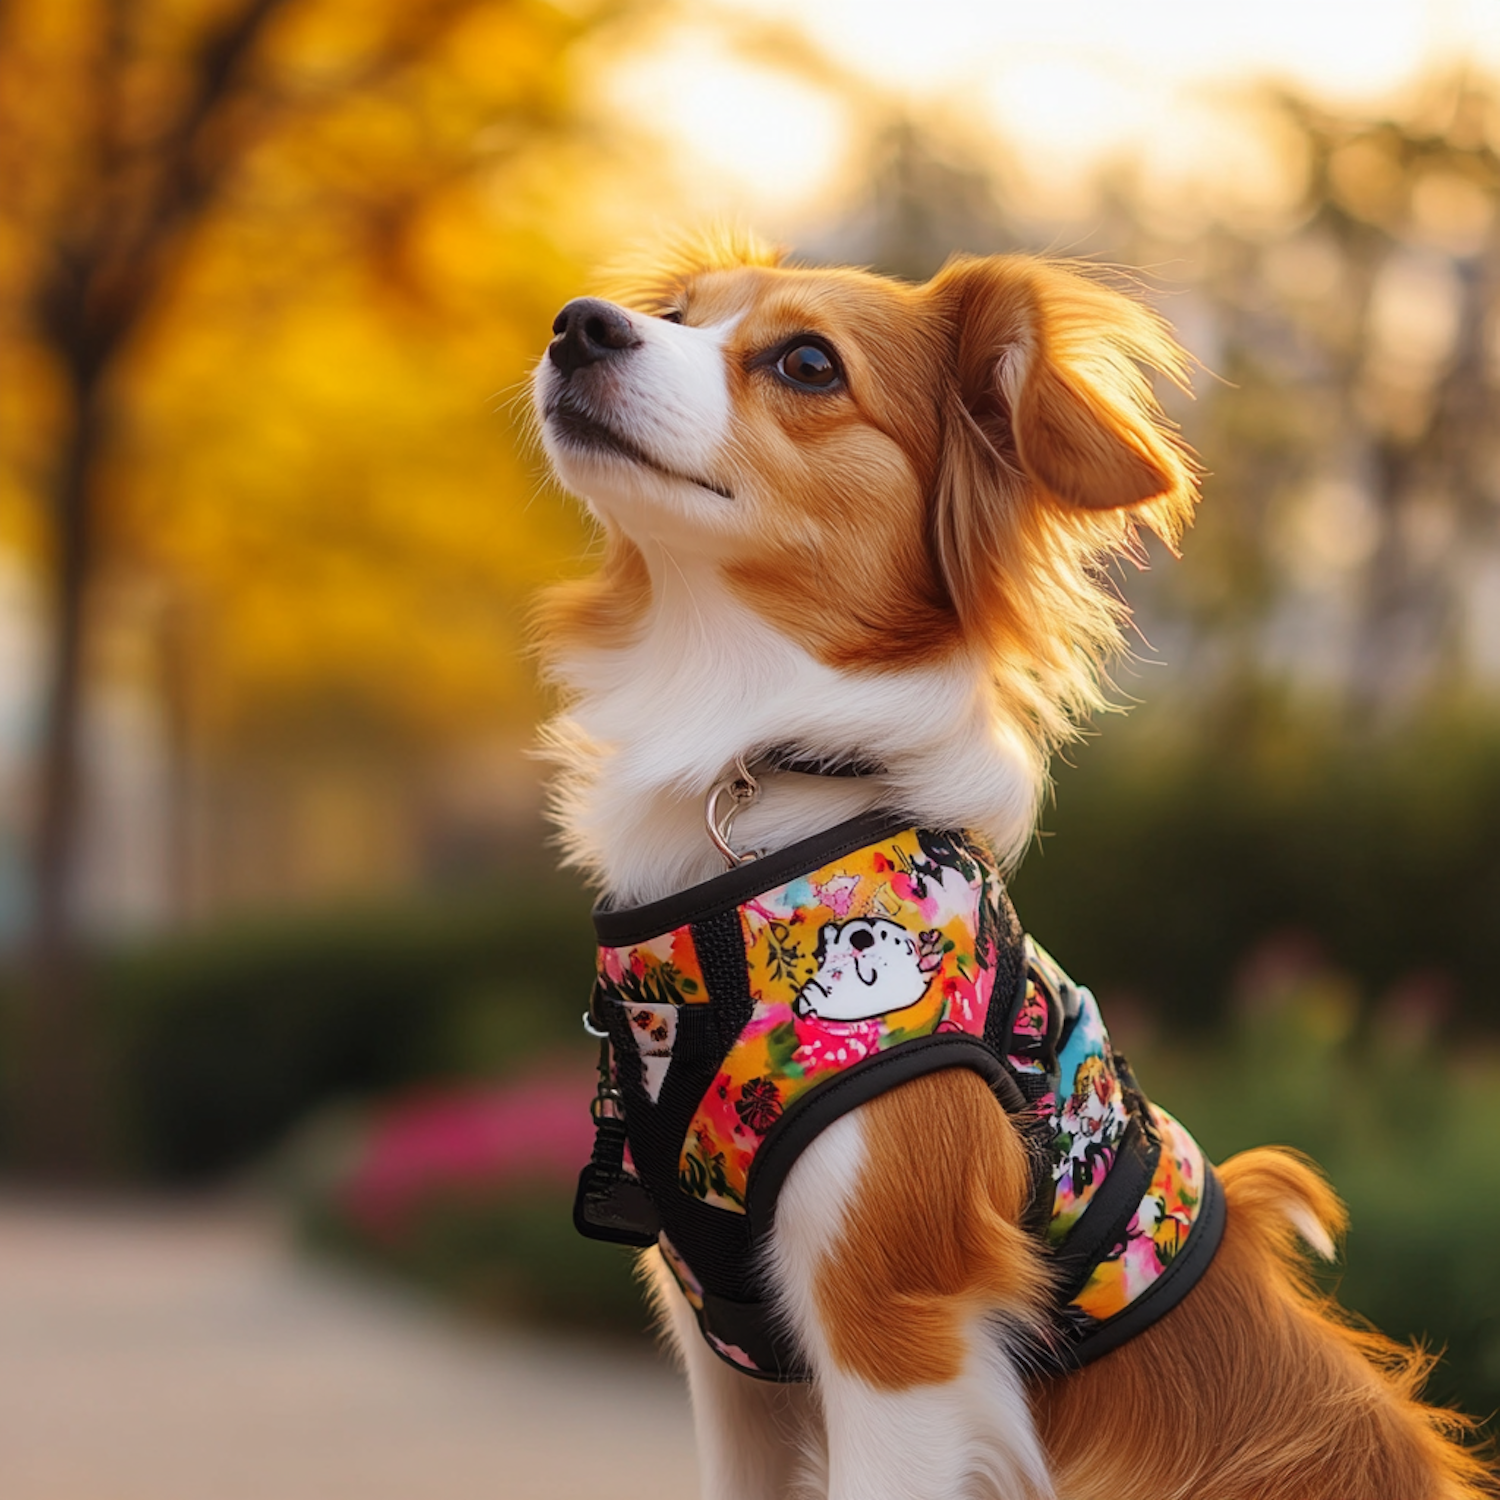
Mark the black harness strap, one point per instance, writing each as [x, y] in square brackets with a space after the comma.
[820, 1107]
[1103, 1223]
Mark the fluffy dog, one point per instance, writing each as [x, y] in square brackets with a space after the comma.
[865, 519]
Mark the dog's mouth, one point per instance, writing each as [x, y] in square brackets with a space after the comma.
[570, 425]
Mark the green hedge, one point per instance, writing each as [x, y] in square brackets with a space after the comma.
[217, 1044]
[1406, 1133]
[1169, 858]
[1171, 854]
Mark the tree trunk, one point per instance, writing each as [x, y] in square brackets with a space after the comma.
[59, 1115]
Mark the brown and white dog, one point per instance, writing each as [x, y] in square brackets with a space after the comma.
[854, 515]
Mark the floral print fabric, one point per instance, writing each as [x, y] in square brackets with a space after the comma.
[892, 942]
[650, 981]
[1158, 1231]
[1087, 1103]
[1088, 1116]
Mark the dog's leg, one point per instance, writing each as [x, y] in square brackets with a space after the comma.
[751, 1435]
[898, 1257]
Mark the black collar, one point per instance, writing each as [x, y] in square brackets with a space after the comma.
[805, 763]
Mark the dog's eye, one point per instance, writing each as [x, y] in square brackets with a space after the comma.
[672, 315]
[808, 365]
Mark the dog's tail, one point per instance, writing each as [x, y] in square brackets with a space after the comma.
[1278, 1197]
[1279, 1186]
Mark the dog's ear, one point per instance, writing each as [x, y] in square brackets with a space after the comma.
[1054, 449]
[1052, 370]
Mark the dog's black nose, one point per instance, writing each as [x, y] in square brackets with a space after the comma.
[859, 940]
[589, 330]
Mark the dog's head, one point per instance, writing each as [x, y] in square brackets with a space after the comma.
[889, 474]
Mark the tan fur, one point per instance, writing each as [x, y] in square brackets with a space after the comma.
[932, 1238]
[651, 277]
[1056, 449]
[1256, 1387]
[607, 605]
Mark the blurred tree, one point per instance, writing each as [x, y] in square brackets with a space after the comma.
[1351, 526]
[926, 194]
[260, 263]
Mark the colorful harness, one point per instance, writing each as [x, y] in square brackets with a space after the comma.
[743, 1016]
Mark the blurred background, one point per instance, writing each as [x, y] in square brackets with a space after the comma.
[278, 923]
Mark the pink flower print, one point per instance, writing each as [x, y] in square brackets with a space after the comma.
[917, 892]
[734, 1353]
[1030, 1026]
[961, 1003]
[1032, 1020]
[929, 950]
[837, 894]
[1143, 1245]
[823, 1045]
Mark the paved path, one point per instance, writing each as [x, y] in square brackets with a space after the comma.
[185, 1354]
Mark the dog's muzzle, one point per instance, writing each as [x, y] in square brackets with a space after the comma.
[589, 331]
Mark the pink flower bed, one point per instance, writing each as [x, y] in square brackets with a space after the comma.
[469, 1141]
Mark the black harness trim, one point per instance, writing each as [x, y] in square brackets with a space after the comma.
[817, 1110]
[1164, 1293]
[636, 924]
[1103, 1223]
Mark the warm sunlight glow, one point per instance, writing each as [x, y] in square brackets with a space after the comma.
[1064, 87]
[754, 139]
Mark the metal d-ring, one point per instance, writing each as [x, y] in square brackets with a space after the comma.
[742, 789]
[609, 1102]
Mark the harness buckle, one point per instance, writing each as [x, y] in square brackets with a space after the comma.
[611, 1204]
[742, 789]
[607, 1104]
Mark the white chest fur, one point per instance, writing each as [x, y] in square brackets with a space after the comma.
[656, 722]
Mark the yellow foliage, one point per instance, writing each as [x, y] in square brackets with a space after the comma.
[314, 450]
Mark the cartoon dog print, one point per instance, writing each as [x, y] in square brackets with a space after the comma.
[867, 967]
